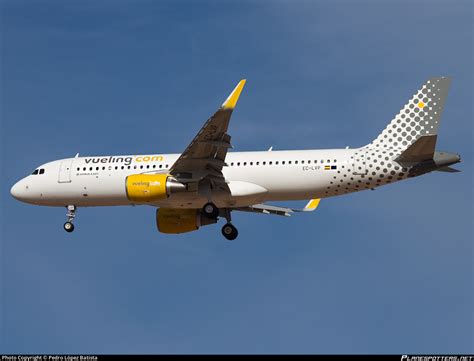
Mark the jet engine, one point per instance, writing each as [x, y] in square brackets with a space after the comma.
[143, 188]
[173, 220]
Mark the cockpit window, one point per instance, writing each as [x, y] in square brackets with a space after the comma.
[35, 172]
[41, 171]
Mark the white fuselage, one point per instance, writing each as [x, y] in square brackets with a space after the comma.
[252, 177]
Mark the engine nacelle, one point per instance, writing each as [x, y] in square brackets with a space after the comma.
[144, 188]
[172, 220]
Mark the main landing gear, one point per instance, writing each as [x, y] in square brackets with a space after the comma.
[229, 231]
[211, 211]
[71, 213]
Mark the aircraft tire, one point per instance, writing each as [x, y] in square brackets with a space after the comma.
[229, 231]
[210, 210]
[68, 227]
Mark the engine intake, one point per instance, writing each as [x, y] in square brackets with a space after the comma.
[144, 188]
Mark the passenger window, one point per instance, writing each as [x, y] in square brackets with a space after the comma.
[161, 165]
[97, 168]
[329, 161]
[116, 167]
[128, 167]
[238, 163]
[245, 163]
[289, 162]
[315, 161]
[154, 166]
[167, 166]
[276, 162]
[258, 163]
[103, 168]
[283, 162]
[90, 168]
[302, 162]
[296, 162]
[35, 172]
[264, 163]
[270, 162]
[78, 168]
[141, 167]
[84, 168]
[335, 160]
[251, 163]
[134, 167]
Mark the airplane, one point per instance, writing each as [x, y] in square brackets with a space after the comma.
[207, 182]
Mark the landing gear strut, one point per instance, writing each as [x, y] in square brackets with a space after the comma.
[228, 230]
[210, 210]
[71, 213]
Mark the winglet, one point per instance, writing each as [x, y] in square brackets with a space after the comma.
[231, 100]
[312, 205]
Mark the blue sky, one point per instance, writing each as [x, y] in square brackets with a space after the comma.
[387, 271]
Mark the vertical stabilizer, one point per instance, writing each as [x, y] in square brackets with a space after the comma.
[419, 117]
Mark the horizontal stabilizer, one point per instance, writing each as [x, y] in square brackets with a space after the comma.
[279, 211]
[448, 170]
[266, 209]
[421, 150]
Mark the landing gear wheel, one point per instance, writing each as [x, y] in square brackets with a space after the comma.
[71, 213]
[210, 210]
[229, 231]
[68, 227]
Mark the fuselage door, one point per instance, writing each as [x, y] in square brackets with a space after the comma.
[359, 163]
[65, 169]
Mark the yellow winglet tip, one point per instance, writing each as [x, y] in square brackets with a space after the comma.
[312, 204]
[232, 99]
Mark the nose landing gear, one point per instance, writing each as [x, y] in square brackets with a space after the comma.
[68, 227]
[71, 213]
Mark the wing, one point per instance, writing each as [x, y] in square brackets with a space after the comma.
[205, 155]
[279, 211]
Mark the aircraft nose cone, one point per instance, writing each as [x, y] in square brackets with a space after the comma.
[18, 191]
[15, 191]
